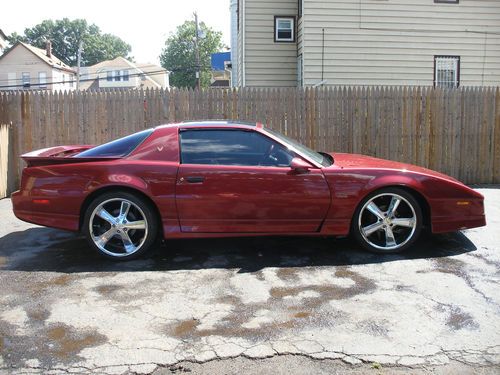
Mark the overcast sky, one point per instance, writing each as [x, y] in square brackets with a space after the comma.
[144, 24]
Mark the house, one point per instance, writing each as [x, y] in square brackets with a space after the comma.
[221, 69]
[3, 41]
[121, 73]
[446, 43]
[24, 67]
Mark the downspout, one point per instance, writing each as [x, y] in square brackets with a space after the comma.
[243, 47]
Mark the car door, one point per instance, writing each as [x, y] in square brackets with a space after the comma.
[240, 181]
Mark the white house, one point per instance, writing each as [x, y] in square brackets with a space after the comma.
[121, 73]
[367, 42]
[24, 67]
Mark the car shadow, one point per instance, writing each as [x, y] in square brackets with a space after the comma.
[44, 249]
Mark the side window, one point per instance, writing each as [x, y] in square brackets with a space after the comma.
[232, 147]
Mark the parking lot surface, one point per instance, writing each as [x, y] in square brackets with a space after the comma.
[206, 306]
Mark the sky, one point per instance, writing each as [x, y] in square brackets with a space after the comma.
[144, 24]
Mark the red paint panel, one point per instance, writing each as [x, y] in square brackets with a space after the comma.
[250, 199]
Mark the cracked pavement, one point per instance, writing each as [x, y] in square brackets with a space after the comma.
[196, 302]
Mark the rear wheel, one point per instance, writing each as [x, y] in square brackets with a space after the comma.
[120, 225]
[387, 221]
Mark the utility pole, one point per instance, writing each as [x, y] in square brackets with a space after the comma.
[197, 51]
[79, 59]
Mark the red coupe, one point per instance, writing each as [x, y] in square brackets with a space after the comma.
[222, 179]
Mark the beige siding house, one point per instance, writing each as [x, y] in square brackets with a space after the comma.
[370, 42]
[24, 67]
[121, 73]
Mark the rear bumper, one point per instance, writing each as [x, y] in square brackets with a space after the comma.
[24, 210]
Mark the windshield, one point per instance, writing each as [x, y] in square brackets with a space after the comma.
[119, 147]
[320, 158]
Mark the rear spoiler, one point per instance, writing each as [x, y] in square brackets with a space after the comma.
[61, 155]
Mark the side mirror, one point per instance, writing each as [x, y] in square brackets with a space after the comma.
[299, 166]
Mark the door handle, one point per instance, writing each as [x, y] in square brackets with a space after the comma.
[195, 179]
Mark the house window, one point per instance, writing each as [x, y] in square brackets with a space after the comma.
[109, 76]
[64, 79]
[42, 80]
[284, 29]
[117, 75]
[125, 75]
[446, 71]
[447, 1]
[71, 78]
[26, 80]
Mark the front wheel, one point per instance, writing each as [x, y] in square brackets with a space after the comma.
[120, 225]
[387, 221]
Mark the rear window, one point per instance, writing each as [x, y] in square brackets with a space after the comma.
[118, 147]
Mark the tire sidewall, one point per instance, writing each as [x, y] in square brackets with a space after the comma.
[390, 190]
[146, 208]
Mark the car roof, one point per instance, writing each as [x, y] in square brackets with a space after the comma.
[214, 124]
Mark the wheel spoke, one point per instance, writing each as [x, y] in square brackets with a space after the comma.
[127, 243]
[404, 222]
[389, 237]
[105, 215]
[124, 208]
[104, 238]
[139, 224]
[393, 206]
[372, 207]
[369, 229]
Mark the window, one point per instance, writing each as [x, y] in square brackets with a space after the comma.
[26, 80]
[42, 80]
[284, 29]
[64, 79]
[119, 147]
[232, 147]
[447, 1]
[71, 78]
[446, 71]
[125, 75]
[117, 75]
[109, 75]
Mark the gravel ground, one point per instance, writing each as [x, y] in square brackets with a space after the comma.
[250, 305]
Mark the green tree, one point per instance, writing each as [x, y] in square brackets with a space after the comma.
[65, 35]
[179, 56]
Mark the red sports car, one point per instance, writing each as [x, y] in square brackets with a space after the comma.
[222, 179]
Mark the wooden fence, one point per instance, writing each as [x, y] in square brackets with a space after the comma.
[4, 159]
[453, 131]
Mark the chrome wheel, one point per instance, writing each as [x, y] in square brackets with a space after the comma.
[387, 221]
[118, 227]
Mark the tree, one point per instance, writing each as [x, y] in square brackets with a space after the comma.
[179, 55]
[65, 35]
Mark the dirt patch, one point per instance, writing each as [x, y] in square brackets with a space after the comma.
[458, 319]
[37, 314]
[67, 343]
[288, 274]
[107, 290]
[302, 315]
[186, 328]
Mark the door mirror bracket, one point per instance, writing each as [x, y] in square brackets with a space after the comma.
[300, 166]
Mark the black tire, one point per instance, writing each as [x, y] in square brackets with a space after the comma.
[123, 235]
[367, 219]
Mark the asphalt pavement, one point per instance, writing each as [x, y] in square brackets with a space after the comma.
[250, 305]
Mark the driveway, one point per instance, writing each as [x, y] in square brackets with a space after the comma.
[220, 305]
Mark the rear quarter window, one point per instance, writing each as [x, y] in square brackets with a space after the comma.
[119, 147]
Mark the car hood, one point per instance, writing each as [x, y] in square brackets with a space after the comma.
[357, 161]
